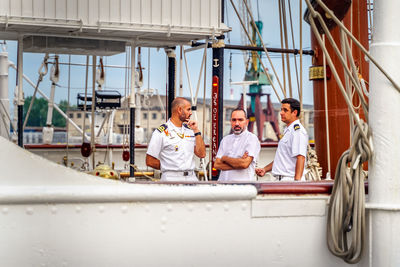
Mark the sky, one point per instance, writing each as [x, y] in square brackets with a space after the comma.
[155, 69]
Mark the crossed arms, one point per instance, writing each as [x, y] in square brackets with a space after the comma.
[227, 163]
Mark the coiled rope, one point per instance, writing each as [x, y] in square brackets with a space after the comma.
[346, 216]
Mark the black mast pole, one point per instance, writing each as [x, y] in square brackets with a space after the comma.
[171, 78]
[20, 115]
[132, 108]
[218, 74]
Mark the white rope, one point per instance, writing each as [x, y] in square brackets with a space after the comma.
[328, 150]
[265, 50]
[332, 66]
[85, 103]
[41, 75]
[346, 215]
[314, 171]
[194, 99]
[340, 24]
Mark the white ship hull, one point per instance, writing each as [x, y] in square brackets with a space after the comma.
[54, 216]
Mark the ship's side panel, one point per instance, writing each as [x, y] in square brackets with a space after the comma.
[26, 8]
[185, 14]
[176, 11]
[50, 9]
[93, 14]
[83, 12]
[156, 11]
[72, 10]
[125, 11]
[146, 16]
[15, 8]
[136, 10]
[61, 11]
[168, 233]
[166, 10]
[107, 10]
[5, 7]
[114, 9]
[195, 13]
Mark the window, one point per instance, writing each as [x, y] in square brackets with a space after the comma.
[79, 115]
[145, 116]
[71, 115]
[87, 115]
[154, 116]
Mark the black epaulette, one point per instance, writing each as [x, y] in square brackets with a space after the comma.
[296, 127]
[186, 126]
[162, 128]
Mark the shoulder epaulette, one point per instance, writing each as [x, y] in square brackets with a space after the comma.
[296, 127]
[162, 127]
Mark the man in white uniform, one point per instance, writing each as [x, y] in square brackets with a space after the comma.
[173, 145]
[290, 157]
[238, 152]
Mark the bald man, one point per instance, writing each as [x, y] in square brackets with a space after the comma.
[173, 145]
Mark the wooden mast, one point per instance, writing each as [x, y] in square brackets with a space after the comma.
[356, 20]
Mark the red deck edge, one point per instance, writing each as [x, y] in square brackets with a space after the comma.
[281, 188]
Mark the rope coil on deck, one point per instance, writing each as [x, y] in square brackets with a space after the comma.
[346, 215]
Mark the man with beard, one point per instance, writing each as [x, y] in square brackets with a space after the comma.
[290, 157]
[238, 152]
[173, 144]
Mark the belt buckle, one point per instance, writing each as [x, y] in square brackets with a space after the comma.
[185, 173]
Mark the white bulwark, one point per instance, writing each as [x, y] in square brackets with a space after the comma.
[148, 23]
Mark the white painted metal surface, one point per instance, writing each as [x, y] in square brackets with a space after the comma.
[384, 178]
[54, 216]
[147, 22]
[4, 99]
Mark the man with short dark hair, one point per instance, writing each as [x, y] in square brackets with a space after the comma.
[238, 152]
[173, 144]
[290, 157]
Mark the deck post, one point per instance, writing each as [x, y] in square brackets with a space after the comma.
[20, 92]
[171, 78]
[4, 101]
[132, 107]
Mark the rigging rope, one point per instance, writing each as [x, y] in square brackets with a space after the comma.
[286, 47]
[294, 47]
[346, 216]
[85, 103]
[265, 49]
[68, 108]
[314, 170]
[41, 75]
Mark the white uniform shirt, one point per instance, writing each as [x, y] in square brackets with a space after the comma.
[235, 146]
[174, 147]
[293, 143]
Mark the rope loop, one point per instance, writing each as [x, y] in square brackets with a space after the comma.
[346, 214]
